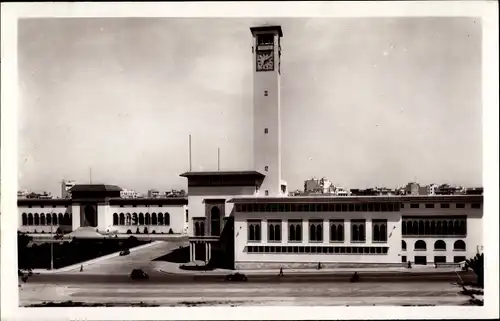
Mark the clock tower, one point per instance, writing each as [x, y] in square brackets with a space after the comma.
[266, 112]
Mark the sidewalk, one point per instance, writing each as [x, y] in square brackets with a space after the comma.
[174, 268]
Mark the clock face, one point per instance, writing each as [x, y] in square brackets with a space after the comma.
[265, 61]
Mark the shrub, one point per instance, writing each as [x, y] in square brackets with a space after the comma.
[154, 232]
[137, 231]
[170, 231]
[35, 232]
[146, 230]
[129, 232]
[477, 265]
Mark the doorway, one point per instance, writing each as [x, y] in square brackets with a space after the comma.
[89, 216]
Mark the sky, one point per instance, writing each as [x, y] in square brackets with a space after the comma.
[364, 101]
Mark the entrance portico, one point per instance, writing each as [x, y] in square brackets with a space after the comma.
[201, 247]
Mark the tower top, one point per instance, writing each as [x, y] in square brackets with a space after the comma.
[266, 29]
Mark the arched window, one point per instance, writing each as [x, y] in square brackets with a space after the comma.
[403, 245]
[147, 219]
[66, 219]
[456, 228]
[459, 245]
[30, 219]
[376, 233]
[251, 232]
[257, 232]
[420, 245]
[439, 228]
[122, 219]
[141, 219]
[154, 219]
[319, 233]
[42, 219]
[433, 228]
[167, 219]
[444, 228]
[291, 232]
[277, 232]
[215, 220]
[361, 232]
[60, 219]
[463, 229]
[37, 219]
[128, 219]
[160, 219]
[340, 232]
[450, 228]
[115, 219]
[415, 228]
[25, 219]
[312, 232]
[134, 219]
[271, 233]
[49, 219]
[427, 227]
[54, 219]
[355, 233]
[421, 227]
[202, 228]
[333, 232]
[403, 228]
[440, 245]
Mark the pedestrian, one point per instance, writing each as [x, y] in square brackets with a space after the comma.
[81, 268]
[319, 265]
[281, 271]
[409, 264]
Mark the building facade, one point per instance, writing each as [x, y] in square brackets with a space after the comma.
[101, 206]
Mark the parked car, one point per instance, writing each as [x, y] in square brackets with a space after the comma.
[138, 274]
[236, 277]
[125, 252]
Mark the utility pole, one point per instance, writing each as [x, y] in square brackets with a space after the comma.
[218, 159]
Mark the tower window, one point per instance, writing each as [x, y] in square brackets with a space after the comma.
[266, 168]
[267, 192]
[266, 131]
[266, 93]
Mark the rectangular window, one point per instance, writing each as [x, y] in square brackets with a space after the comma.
[421, 260]
[316, 230]
[267, 192]
[338, 208]
[254, 230]
[357, 207]
[403, 259]
[379, 231]
[440, 259]
[266, 168]
[274, 231]
[295, 230]
[336, 230]
[383, 207]
[351, 207]
[458, 259]
[445, 205]
[460, 205]
[358, 228]
[265, 93]
[414, 205]
[475, 205]
[266, 131]
[370, 207]
[364, 207]
[402, 205]
[429, 205]
[376, 207]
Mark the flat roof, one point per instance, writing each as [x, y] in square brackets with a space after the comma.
[222, 173]
[95, 188]
[346, 199]
[267, 28]
[149, 201]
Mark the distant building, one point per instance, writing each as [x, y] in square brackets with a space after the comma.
[127, 193]
[446, 189]
[412, 188]
[65, 188]
[153, 193]
[431, 189]
[22, 193]
[318, 186]
[474, 191]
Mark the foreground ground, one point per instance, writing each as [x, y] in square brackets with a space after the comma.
[245, 294]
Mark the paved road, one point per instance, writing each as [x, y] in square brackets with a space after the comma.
[434, 293]
[163, 278]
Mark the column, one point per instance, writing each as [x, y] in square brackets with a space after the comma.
[206, 252]
[209, 251]
[191, 256]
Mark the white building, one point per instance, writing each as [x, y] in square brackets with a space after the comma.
[101, 206]
[128, 193]
[242, 219]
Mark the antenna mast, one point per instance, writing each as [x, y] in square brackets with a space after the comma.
[190, 162]
[218, 159]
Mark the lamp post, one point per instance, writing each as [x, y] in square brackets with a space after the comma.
[51, 243]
